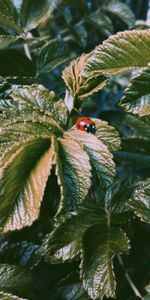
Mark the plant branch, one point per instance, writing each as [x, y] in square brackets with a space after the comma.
[128, 278]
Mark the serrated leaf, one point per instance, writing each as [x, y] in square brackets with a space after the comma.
[73, 170]
[122, 11]
[65, 241]
[38, 97]
[51, 56]
[78, 86]
[6, 296]
[137, 95]
[16, 280]
[99, 154]
[9, 16]
[24, 174]
[121, 53]
[140, 201]
[107, 134]
[97, 271]
[32, 15]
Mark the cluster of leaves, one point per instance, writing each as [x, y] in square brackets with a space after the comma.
[69, 181]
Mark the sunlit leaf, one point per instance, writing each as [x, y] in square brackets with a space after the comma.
[41, 98]
[137, 95]
[107, 134]
[6, 296]
[74, 173]
[78, 86]
[122, 52]
[99, 154]
[97, 259]
[24, 174]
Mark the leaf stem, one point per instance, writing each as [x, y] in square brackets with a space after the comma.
[27, 51]
[131, 283]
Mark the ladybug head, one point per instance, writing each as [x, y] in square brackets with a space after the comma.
[90, 128]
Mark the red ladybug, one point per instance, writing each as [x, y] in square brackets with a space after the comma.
[86, 124]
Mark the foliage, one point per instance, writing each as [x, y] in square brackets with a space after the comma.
[74, 206]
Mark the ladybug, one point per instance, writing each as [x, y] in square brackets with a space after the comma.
[85, 124]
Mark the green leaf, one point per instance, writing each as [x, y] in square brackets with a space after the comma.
[119, 208]
[16, 280]
[78, 86]
[137, 95]
[107, 134]
[135, 145]
[122, 11]
[32, 15]
[99, 154]
[121, 53]
[6, 296]
[51, 55]
[38, 97]
[65, 241]
[5, 90]
[24, 173]
[73, 170]
[101, 22]
[97, 259]
[80, 35]
[9, 17]
[7, 40]
[12, 68]
[140, 201]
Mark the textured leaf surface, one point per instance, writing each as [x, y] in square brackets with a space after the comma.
[99, 154]
[78, 86]
[15, 280]
[140, 201]
[97, 259]
[119, 208]
[74, 173]
[107, 134]
[6, 296]
[51, 56]
[122, 11]
[69, 230]
[41, 98]
[9, 16]
[33, 15]
[137, 95]
[23, 180]
[122, 52]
